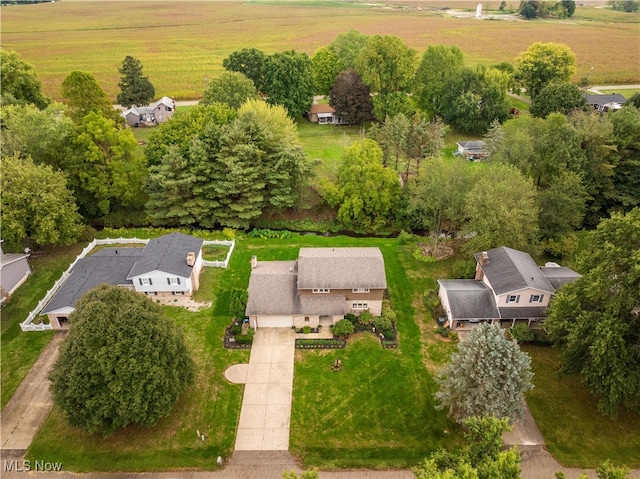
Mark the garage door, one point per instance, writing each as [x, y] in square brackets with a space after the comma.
[275, 321]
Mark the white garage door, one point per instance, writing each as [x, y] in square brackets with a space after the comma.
[275, 321]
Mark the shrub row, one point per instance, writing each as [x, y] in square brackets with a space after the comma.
[320, 343]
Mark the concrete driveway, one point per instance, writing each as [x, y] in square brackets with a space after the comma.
[266, 405]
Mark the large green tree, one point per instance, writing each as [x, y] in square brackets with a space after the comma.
[83, 95]
[49, 143]
[544, 63]
[438, 66]
[288, 81]
[20, 84]
[626, 137]
[36, 204]
[231, 89]
[326, 67]
[559, 98]
[366, 193]
[123, 363]
[135, 88]
[386, 64]
[347, 46]
[487, 376]
[596, 320]
[481, 458]
[501, 210]
[250, 62]
[106, 169]
[351, 98]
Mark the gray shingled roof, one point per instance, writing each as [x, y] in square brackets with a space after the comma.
[604, 99]
[470, 299]
[103, 267]
[341, 268]
[168, 254]
[511, 270]
[558, 275]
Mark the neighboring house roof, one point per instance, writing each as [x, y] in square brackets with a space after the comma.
[473, 146]
[93, 271]
[341, 268]
[602, 100]
[166, 101]
[470, 299]
[558, 275]
[321, 108]
[168, 254]
[510, 270]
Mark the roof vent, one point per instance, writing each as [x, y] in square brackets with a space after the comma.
[191, 258]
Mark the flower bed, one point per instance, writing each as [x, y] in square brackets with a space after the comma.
[234, 338]
[320, 343]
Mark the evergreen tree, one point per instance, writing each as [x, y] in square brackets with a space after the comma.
[488, 376]
[135, 89]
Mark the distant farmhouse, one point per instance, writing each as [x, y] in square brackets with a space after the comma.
[14, 270]
[508, 288]
[168, 265]
[472, 150]
[325, 114]
[150, 115]
[318, 288]
[605, 103]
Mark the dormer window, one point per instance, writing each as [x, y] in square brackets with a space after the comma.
[360, 290]
[321, 290]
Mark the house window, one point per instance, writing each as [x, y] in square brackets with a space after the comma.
[536, 298]
[173, 280]
[513, 298]
[360, 290]
[321, 290]
[146, 281]
[306, 318]
[360, 305]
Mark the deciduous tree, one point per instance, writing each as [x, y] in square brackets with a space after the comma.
[83, 95]
[596, 319]
[559, 98]
[501, 210]
[37, 204]
[288, 81]
[351, 98]
[249, 62]
[438, 66]
[386, 64]
[544, 63]
[123, 363]
[488, 376]
[20, 84]
[326, 67]
[347, 46]
[366, 193]
[231, 89]
[135, 88]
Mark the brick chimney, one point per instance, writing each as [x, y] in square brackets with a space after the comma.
[254, 262]
[484, 258]
[191, 258]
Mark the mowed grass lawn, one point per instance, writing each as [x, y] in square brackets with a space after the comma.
[378, 412]
[574, 431]
[182, 44]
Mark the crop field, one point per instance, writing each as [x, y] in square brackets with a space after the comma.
[182, 44]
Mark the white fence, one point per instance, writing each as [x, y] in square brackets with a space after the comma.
[27, 324]
[220, 264]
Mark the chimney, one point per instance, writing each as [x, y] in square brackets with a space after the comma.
[191, 258]
[254, 262]
[484, 258]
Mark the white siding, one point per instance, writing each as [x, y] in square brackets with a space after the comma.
[525, 296]
[160, 283]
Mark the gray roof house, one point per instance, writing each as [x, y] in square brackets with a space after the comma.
[168, 265]
[604, 103]
[508, 287]
[472, 150]
[14, 270]
[150, 115]
[320, 287]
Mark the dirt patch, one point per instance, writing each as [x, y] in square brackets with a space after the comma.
[183, 302]
[440, 252]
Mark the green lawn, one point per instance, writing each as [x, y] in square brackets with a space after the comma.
[574, 431]
[625, 92]
[384, 417]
